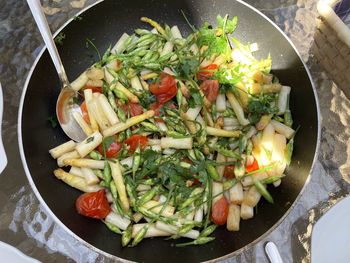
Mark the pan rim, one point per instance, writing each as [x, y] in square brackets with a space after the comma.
[98, 250]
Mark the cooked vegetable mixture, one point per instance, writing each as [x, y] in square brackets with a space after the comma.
[183, 134]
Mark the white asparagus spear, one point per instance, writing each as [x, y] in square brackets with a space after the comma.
[76, 171]
[176, 143]
[152, 231]
[118, 86]
[62, 149]
[117, 220]
[233, 218]
[136, 84]
[193, 234]
[119, 183]
[70, 155]
[222, 133]
[237, 108]
[90, 143]
[192, 113]
[89, 176]
[89, 163]
[88, 98]
[247, 211]
[97, 113]
[236, 194]
[221, 103]
[156, 207]
[79, 82]
[176, 32]
[283, 99]
[75, 181]
[94, 73]
[119, 47]
[119, 127]
[82, 123]
[282, 129]
[253, 196]
[107, 109]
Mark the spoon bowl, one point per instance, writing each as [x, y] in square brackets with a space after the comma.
[68, 100]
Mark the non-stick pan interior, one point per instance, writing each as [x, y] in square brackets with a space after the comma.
[103, 24]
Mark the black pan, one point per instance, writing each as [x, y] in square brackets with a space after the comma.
[103, 24]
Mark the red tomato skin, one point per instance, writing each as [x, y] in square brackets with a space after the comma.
[134, 108]
[229, 171]
[210, 88]
[165, 89]
[112, 150]
[94, 89]
[206, 72]
[93, 205]
[219, 211]
[84, 112]
[157, 107]
[135, 140]
[254, 166]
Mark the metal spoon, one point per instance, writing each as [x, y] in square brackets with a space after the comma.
[3, 158]
[273, 253]
[65, 105]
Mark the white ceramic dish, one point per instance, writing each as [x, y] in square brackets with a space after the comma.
[330, 240]
[13, 255]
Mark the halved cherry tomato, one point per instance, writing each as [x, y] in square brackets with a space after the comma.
[93, 88]
[219, 211]
[157, 107]
[254, 166]
[229, 171]
[112, 150]
[210, 88]
[133, 108]
[135, 140]
[164, 90]
[206, 72]
[93, 205]
[84, 112]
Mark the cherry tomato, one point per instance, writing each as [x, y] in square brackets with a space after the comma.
[165, 89]
[210, 88]
[112, 150]
[94, 88]
[158, 106]
[93, 205]
[228, 172]
[135, 140]
[84, 112]
[219, 211]
[133, 108]
[254, 166]
[206, 72]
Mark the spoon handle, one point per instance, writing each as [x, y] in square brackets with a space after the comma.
[3, 158]
[44, 29]
[273, 253]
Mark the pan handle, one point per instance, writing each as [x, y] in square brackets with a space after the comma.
[3, 158]
[44, 29]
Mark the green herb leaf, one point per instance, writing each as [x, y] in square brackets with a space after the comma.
[90, 139]
[189, 66]
[53, 121]
[261, 105]
[59, 39]
[230, 24]
[106, 142]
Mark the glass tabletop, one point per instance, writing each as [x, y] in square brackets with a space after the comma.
[26, 225]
